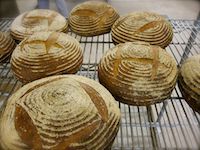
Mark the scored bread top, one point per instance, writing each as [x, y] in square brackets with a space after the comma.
[92, 18]
[44, 54]
[190, 77]
[36, 21]
[7, 45]
[60, 112]
[142, 26]
[138, 73]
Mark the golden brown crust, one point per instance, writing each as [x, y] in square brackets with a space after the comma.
[7, 45]
[31, 21]
[138, 73]
[38, 20]
[78, 137]
[97, 100]
[142, 26]
[92, 18]
[189, 82]
[155, 63]
[52, 41]
[26, 129]
[44, 54]
[60, 113]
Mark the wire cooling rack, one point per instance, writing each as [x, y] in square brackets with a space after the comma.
[171, 124]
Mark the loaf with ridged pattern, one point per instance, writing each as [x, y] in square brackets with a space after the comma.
[142, 26]
[45, 54]
[138, 73]
[189, 82]
[60, 113]
[92, 18]
[37, 20]
[7, 45]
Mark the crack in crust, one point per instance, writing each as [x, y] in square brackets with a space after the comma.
[104, 16]
[97, 100]
[30, 136]
[154, 61]
[34, 20]
[121, 21]
[26, 129]
[149, 25]
[84, 12]
[51, 41]
[145, 27]
[117, 61]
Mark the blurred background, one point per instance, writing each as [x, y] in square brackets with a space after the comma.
[176, 9]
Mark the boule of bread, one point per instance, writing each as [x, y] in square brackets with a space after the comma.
[60, 113]
[44, 54]
[92, 18]
[142, 26]
[37, 20]
[7, 45]
[189, 82]
[138, 73]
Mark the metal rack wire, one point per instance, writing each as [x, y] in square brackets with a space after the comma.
[168, 125]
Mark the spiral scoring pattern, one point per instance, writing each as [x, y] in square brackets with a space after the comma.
[189, 81]
[142, 26]
[58, 113]
[44, 54]
[138, 73]
[37, 21]
[7, 45]
[92, 18]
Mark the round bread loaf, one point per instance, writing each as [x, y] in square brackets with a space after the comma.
[7, 45]
[37, 21]
[44, 54]
[142, 26]
[60, 113]
[138, 73]
[92, 18]
[189, 82]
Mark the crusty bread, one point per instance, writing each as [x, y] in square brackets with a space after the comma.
[142, 26]
[36, 21]
[138, 73]
[189, 82]
[45, 54]
[7, 45]
[92, 18]
[59, 113]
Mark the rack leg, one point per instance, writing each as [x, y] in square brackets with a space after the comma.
[152, 127]
[191, 39]
[165, 103]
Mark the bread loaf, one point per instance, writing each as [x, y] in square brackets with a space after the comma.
[142, 26]
[189, 82]
[92, 18]
[59, 113]
[138, 73]
[37, 21]
[7, 45]
[45, 54]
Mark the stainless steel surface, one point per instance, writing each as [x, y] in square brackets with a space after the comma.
[168, 125]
